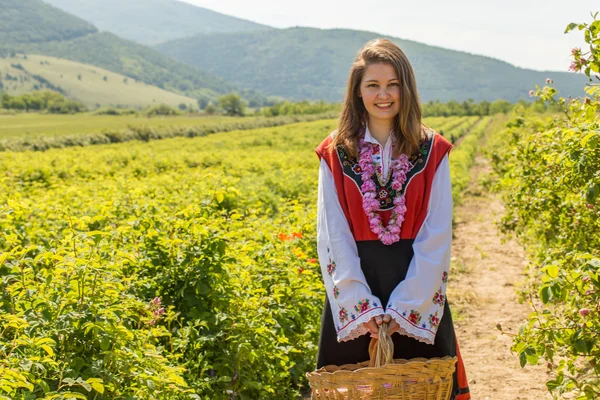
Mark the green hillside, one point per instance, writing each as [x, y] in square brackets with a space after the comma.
[310, 63]
[76, 40]
[153, 21]
[25, 21]
[89, 84]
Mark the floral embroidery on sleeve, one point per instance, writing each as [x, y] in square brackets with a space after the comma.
[362, 306]
[336, 292]
[434, 321]
[414, 317]
[438, 298]
[343, 315]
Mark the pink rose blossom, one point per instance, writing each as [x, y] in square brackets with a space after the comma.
[584, 312]
[531, 93]
[400, 167]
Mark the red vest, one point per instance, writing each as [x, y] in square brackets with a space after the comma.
[417, 188]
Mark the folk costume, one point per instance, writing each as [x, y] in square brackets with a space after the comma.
[364, 277]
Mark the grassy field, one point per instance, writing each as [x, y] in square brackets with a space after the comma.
[37, 125]
[31, 125]
[89, 84]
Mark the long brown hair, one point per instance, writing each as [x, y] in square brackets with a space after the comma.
[407, 127]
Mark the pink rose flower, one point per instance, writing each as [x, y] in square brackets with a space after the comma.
[574, 67]
[584, 312]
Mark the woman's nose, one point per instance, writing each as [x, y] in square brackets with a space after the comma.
[383, 94]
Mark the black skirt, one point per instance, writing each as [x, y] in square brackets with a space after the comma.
[384, 268]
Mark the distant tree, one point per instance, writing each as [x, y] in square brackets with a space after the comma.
[161, 109]
[79, 76]
[232, 104]
[105, 79]
[182, 106]
[210, 109]
[202, 102]
[500, 106]
[125, 80]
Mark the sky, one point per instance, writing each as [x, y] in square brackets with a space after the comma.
[525, 33]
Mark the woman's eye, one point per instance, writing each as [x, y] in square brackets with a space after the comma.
[374, 84]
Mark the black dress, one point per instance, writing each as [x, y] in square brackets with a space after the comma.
[384, 267]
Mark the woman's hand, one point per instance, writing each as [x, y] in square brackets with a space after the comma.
[373, 325]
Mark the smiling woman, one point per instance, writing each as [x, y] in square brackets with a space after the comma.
[384, 225]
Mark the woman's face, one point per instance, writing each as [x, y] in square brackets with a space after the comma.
[378, 88]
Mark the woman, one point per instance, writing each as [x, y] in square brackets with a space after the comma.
[385, 220]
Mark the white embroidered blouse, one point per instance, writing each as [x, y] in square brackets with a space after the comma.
[417, 303]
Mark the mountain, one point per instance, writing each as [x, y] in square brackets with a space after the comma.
[154, 21]
[34, 27]
[89, 84]
[311, 63]
[23, 21]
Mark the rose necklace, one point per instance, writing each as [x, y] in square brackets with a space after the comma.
[390, 233]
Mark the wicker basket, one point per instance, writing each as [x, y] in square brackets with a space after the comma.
[382, 377]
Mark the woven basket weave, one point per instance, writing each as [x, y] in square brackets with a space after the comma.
[382, 377]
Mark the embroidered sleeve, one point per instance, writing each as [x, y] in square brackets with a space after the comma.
[350, 298]
[417, 303]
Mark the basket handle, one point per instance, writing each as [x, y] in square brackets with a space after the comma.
[381, 350]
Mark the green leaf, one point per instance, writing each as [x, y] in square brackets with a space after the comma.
[74, 395]
[522, 359]
[570, 27]
[552, 271]
[545, 294]
[48, 349]
[592, 193]
[520, 347]
[84, 384]
[105, 343]
[44, 385]
[98, 387]
[151, 385]
[582, 346]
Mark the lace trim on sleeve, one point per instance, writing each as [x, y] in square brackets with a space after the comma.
[407, 328]
[356, 328]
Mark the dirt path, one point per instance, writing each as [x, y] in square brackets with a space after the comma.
[483, 291]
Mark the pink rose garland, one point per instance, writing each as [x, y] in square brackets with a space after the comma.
[391, 233]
